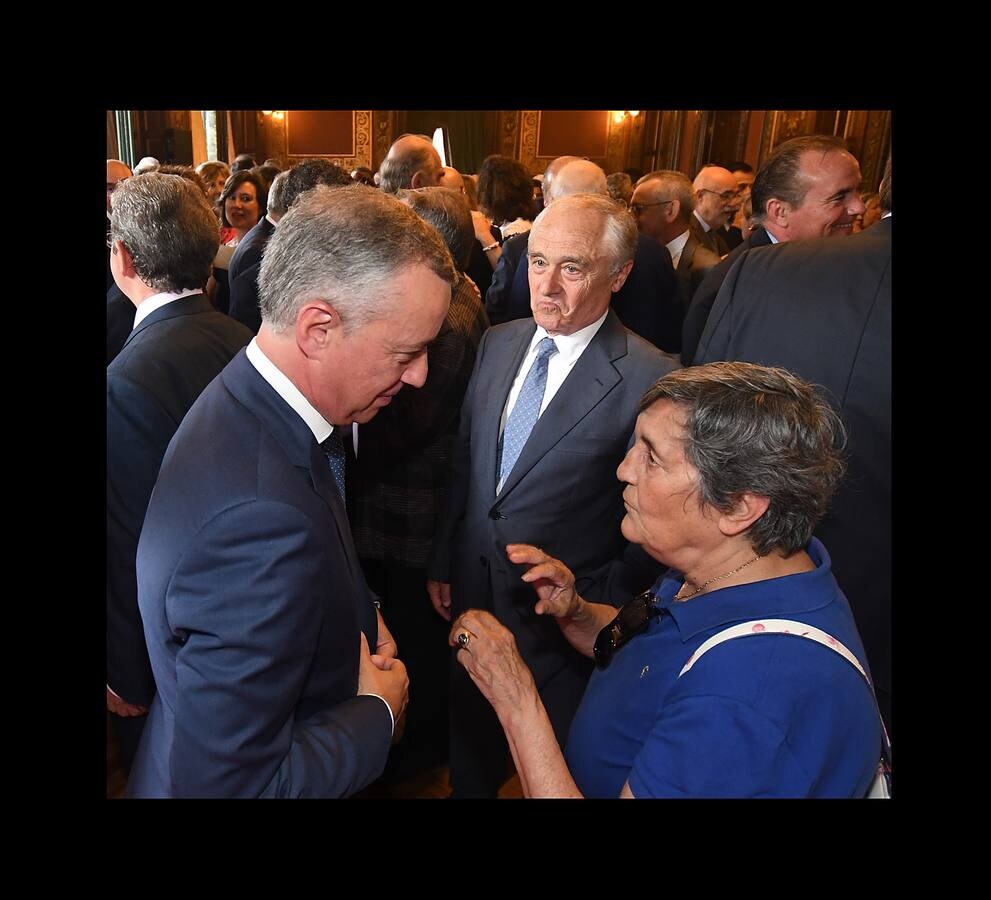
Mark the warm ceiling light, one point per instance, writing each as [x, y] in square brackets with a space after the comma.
[634, 112]
[618, 116]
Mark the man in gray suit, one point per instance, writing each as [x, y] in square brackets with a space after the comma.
[546, 420]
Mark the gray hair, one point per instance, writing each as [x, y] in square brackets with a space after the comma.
[145, 165]
[277, 205]
[168, 228]
[397, 171]
[677, 186]
[755, 429]
[620, 226]
[342, 245]
[780, 178]
[448, 211]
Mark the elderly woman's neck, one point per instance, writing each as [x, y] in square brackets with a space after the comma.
[740, 564]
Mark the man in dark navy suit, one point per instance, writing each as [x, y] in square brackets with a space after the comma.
[275, 675]
[163, 238]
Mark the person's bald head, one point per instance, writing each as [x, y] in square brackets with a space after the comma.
[451, 178]
[553, 167]
[717, 196]
[412, 162]
[579, 176]
[146, 164]
[116, 171]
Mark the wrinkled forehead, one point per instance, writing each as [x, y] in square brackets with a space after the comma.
[564, 230]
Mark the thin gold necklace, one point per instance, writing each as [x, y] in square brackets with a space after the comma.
[705, 584]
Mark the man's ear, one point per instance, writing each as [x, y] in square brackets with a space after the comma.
[778, 212]
[672, 212]
[318, 326]
[419, 180]
[126, 260]
[747, 509]
[620, 277]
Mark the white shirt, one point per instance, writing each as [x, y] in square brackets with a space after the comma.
[570, 347]
[321, 428]
[676, 246]
[705, 224]
[157, 301]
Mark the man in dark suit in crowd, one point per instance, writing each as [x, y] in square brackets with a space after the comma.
[662, 205]
[257, 617]
[401, 480]
[547, 417]
[807, 188]
[164, 236]
[717, 200]
[647, 301]
[822, 309]
[286, 188]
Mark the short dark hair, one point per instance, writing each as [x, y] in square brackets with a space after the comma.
[168, 228]
[232, 184]
[505, 190]
[308, 174]
[448, 211]
[756, 429]
[266, 174]
[243, 162]
[779, 178]
[738, 165]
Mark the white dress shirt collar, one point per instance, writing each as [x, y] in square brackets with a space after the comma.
[702, 221]
[157, 301]
[320, 427]
[569, 346]
[676, 247]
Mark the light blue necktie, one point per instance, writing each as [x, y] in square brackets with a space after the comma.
[333, 447]
[526, 411]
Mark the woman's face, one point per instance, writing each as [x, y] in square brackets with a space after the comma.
[661, 495]
[241, 207]
[216, 187]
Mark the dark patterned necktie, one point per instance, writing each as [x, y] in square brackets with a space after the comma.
[333, 447]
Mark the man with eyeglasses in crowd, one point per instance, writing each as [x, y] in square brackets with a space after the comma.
[662, 204]
[717, 199]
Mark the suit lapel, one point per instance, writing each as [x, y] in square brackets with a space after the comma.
[184, 306]
[591, 379]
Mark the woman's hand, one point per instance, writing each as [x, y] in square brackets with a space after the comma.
[553, 581]
[488, 652]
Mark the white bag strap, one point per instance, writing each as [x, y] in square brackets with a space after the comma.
[796, 629]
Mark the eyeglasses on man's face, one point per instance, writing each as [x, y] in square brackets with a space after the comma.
[630, 621]
[637, 208]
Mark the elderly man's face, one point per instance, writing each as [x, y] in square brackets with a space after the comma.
[368, 367]
[661, 494]
[652, 209]
[716, 197]
[568, 270]
[832, 202]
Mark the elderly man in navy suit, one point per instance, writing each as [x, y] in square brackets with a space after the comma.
[547, 418]
[276, 676]
[163, 238]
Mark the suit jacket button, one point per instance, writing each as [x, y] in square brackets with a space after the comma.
[495, 514]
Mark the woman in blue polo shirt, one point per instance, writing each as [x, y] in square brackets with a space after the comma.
[733, 464]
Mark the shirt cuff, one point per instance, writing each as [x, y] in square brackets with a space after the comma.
[392, 718]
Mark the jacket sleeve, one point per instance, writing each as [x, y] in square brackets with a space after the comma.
[249, 608]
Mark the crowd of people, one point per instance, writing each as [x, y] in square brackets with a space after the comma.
[412, 467]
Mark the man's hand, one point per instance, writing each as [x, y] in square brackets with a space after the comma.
[386, 645]
[553, 581]
[384, 676]
[120, 707]
[440, 596]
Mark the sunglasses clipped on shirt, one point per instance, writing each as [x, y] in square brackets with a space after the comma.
[630, 621]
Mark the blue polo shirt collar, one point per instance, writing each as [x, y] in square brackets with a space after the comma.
[778, 597]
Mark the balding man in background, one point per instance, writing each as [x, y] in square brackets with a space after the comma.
[717, 200]
[412, 162]
[807, 188]
[662, 204]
